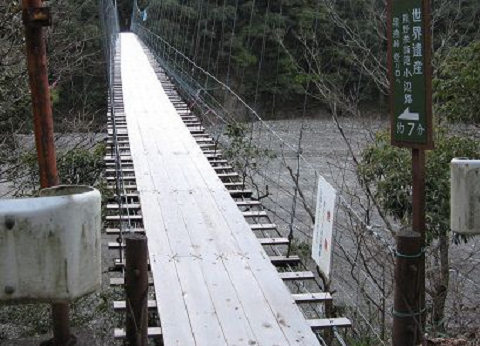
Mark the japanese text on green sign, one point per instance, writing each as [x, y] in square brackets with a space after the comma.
[409, 104]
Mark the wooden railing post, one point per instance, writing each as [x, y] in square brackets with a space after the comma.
[136, 286]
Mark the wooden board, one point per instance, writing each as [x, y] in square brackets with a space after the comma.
[214, 283]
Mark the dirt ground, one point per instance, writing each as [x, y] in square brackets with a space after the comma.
[328, 155]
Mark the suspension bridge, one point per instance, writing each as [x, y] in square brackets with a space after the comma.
[221, 272]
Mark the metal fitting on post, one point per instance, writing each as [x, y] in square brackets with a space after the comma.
[37, 16]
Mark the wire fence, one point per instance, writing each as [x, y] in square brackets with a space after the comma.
[197, 44]
[273, 158]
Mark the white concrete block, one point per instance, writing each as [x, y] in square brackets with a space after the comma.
[465, 196]
[50, 246]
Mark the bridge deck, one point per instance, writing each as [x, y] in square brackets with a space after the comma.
[214, 283]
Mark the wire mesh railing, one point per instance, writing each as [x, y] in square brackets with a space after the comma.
[274, 158]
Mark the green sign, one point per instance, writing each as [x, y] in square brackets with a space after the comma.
[408, 68]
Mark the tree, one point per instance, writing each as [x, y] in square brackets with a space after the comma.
[457, 85]
[386, 169]
[76, 76]
[359, 72]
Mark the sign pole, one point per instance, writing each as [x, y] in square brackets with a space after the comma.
[418, 226]
[409, 292]
[410, 74]
[35, 18]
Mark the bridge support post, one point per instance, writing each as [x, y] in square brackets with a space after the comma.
[136, 286]
[35, 18]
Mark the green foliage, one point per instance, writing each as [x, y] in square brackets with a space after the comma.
[302, 248]
[82, 166]
[76, 166]
[14, 103]
[264, 49]
[388, 169]
[75, 64]
[241, 149]
[364, 340]
[457, 85]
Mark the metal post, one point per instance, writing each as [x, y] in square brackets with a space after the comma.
[35, 17]
[409, 297]
[329, 333]
[136, 286]
[419, 226]
[34, 21]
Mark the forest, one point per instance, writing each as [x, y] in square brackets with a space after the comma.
[322, 63]
[231, 39]
[272, 52]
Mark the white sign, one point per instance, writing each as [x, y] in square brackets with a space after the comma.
[323, 229]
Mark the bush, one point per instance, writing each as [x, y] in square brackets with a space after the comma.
[457, 85]
[388, 169]
[75, 166]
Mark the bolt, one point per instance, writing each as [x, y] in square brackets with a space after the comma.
[9, 221]
[9, 289]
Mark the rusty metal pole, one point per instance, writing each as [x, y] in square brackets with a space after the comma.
[136, 287]
[409, 297]
[35, 18]
[419, 226]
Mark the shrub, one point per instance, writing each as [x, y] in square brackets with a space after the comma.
[457, 85]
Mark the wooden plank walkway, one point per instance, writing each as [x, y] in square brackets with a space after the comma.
[214, 283]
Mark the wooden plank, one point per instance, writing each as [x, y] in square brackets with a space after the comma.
[228, 175]
[125, 186]
[240, 193]
[251, 203]
[124, 178]
[254, 213]
[169, 239]
[124, 170]
[114, 206]
[114, 158]
[290, 276]
[212, 151]
[324, 323]
[234, 185]
[205, 139]
[284, 260]
[210, 276]
[216, 158]
[122, 305]
[115, 231]
[263, 227]
[115, 245]
[124, 217]
[174, 316]
[126, 195]
[125, 165]
[153, 332]
[273, 241]
[311, 297]
[223, 168]
[214, 283]
[213, 159]
[121, 281]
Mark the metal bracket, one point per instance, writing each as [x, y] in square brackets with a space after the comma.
[37, 16]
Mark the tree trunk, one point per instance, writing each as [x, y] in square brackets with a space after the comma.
[440, 286]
